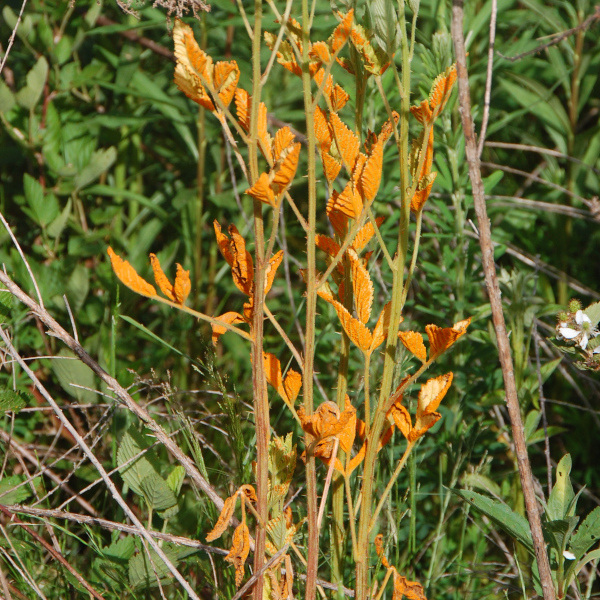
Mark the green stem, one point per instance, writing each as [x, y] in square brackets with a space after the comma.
[415, 254]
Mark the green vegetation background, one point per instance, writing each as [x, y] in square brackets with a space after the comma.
[98, 148]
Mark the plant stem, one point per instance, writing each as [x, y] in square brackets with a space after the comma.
[311, 310]
[259, 382]
[491, 280]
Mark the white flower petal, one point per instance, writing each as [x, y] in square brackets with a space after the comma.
[584, 341]
[568, 333]
[581, 317]
[568, 555]
[596, 350]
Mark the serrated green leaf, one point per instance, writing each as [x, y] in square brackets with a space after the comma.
[121, 549]
[55, 229]
[175, 479]
[502, 515]
[587, 535]
[9, 495]
[157, 493]
[101, 161]
[144, 574]
[593, 312]
[11, 400]
[78, 287]
[562, 492]
[559, 532]
[29, 96]
[44, 207]
[132, 444]
[69, 369]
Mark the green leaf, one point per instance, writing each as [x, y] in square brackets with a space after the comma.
[7, 98]
[587, 535]
[57, 226]
[8, 495]
[562, 492]
[482, 482]
[121, 549]
[157, 493]
[540, 435]
[144, 570]
[44, 208]
[78, 287]
[560, 531]
[11, 400]
[593, 312]
[132, 444]
[101, 161]
[175, 479]
[29, 96]
[531, 422]
[502, 515]
[6, 302]
[69, 369]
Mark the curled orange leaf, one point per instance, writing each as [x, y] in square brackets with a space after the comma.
[128, 276]
[231, 318]
[413, 342]
[284, 138]
[411, 590]
[287, 388]
[326, 244]
[243, 107]
[341, 33]
[347, 142]
[370, 177]
[182, 286]
[365, 234]
[271, 270]
[442, 88]
[362, 287]
[285, 169]
[323, 131]
[440, 339]
[225, 78]
[235, 253]
[262, 191]
[430, 395]
[380, 332]
[240, 548]
[380, 551]
[161, 279]
[223, 520]
[331, 166]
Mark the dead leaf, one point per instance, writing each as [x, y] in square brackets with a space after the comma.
[224, 518]
[240, 548]
[162, 281]
[440, 339]
[182, 286]
[413, 342]
[128, 276]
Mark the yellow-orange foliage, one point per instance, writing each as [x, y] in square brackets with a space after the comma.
[128, 275]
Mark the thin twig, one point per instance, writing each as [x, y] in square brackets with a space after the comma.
[13, 35]
[334, 452]
[487, 250]
[488, 79]
[559, 37]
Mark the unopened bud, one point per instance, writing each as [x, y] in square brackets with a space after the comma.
[414, 5]
[574, 305]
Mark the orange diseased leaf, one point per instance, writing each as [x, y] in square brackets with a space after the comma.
[161, 279]
[331, 166]
[347, 142]
[421, 195]
[387, 129]
[225, 78]
[292, 385]
[193, 65]
[325, 292]
[182, 286]
[320, 52]
[339, 222]
[401, 418]
[338, 98]
[224, 518]
[345, 64]
[442, 88]
[365, 234]
[422, 112]
[128, 276]
[380, 551]
[356, 460]
[381, 328]
[326, 244]
[431, 394]
[341, 32]
[286, 170]
[413, 342]
[263, 135]
[231, 318]
[357, 331]
[284, 138]
[328, 86]
[411, 590]
[362, 287]
[262, 191]
[240, 548]
[440, 339]
[349, 202]
[370, 177]
[243, 107]
[271, 270]
[242, 268]
[223, 243]
[248, 492]
[322, 129]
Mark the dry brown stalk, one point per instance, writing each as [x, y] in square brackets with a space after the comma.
[487, 251]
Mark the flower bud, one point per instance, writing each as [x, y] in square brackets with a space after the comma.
[574, 305]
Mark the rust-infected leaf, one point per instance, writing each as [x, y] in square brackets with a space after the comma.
[331, 166]
[431, 394]
[284, 138]
[413, 342]
[262, 191]
[340, 34]
[182, 286]
[365, 234]
[127, 275]
[240, 548]
[347, 141]
[285, 171]
[323, 131]
[411, 590]
[356, 330]
[362, 287]
[231, 318]
[401, 417]
[442, 88]
[440, 339]
[380, 551]
[264, 138]
[371, 174]
[292, 384]
[271, 270]
[248, 492]
[349, 202]
[381, 328]
[225, 78]
[326, 244]
[223, 520]
[338, 98]
[161, 279]
[339, 222]
[243, 107]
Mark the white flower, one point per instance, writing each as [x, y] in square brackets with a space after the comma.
[596, 350]
[580, 332]
[568, 555]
